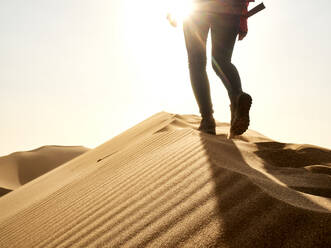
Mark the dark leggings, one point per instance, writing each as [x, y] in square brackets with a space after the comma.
[224, 30]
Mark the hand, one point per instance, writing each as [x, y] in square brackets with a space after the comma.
[171, 20]
[242, 35]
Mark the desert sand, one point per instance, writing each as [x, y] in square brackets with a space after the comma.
[19, 168]
[162, 183]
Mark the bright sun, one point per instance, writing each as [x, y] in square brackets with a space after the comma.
[179, 10]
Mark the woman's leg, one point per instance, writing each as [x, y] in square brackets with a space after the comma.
[224, 30]
[196, 31]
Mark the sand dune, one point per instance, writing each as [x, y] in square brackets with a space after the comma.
[19, 168]
[164, 184]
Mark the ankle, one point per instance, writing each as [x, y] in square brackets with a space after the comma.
[207, 116]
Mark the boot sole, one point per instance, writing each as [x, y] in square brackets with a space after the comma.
[241, 122]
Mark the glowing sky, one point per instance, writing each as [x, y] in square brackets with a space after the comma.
[78, 72]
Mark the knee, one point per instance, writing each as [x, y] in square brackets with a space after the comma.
[220, 65]
[197, 62]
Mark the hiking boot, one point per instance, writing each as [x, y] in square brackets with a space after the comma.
[240, 114]
[208, 125]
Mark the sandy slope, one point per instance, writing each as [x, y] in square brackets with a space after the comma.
[164, 184]
[19, 168]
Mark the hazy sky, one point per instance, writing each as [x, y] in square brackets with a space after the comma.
[78, 72]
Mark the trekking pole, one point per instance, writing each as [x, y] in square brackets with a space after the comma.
[255, 10]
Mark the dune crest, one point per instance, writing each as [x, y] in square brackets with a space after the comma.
[20, 168]
[162, 183]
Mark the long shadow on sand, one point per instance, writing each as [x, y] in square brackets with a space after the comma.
[248, 216]
[4, 191]
[308, 158]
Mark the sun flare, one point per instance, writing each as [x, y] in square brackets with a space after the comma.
[179, 11]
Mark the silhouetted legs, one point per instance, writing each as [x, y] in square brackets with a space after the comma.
[224, 29]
